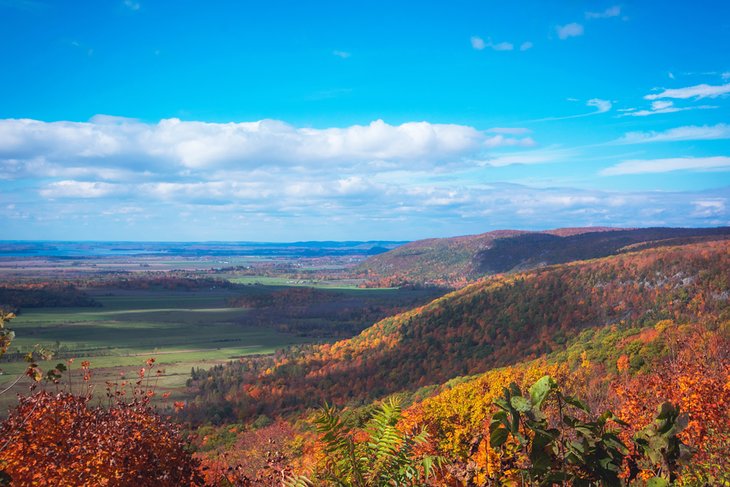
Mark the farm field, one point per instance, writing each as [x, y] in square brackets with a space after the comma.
[180, 329]
[339, 284]
[185, 329]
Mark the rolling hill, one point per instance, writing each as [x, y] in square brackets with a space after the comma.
[458, 260]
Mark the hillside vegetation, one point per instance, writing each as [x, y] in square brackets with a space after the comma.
[459, 260]
[495, 322]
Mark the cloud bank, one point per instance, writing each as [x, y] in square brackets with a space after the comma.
[696, 92]
[113, 144]
[271, 180]
[645, 166]
[689, 132]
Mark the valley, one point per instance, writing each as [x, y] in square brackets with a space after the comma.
[247, 354]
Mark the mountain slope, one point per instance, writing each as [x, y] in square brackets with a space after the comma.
[537, 249]
[494, 322]
[455, 261]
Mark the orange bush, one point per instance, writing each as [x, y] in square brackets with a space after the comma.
[61, 440]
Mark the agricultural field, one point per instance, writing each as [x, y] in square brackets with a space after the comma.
[197, 328]
[180, 329]
[303, 282]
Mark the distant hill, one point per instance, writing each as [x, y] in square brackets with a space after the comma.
[494, 322]
[458, 260]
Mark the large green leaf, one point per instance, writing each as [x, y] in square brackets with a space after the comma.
[540, 390]
[657, 482]
[520, 403]
[498, 437]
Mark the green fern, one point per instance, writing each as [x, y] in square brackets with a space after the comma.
[386, 458]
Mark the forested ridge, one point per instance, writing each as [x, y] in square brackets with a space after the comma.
[456, 261]
[495, 322]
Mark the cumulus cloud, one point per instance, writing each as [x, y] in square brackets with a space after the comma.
[645, 166]
[172, 143]
[252, 163]
[478, 43]
[569, 30]
[697, 92]
[614, 11]
[689, 132]
[526, 45]
[274, 179]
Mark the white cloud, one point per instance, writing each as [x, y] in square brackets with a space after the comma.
[132, 4]
[342, 54]
[540, 156]
[690, 132]
[614, 11]
[214, 163]
[479, 44]
[601, 105]
[708, 208]
[665, 106]
[661, 105]
[569, 30]
[172, 143]
[78, 189]
[697, 92]
[508, 160]
[365, 206]
[526, 45]
[645, 166]
[502, 46]
[725, 75]
[510, 130]
[502, 141]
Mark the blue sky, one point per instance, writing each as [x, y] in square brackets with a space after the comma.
[191, 120]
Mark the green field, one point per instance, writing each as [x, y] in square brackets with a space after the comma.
[285, 281]
[180, 329]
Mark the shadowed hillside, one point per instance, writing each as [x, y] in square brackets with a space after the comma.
[459, 260]
[537, 249]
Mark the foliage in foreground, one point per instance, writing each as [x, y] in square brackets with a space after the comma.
[575, 447]
[61, 439]
[378, 455]
[541, 437]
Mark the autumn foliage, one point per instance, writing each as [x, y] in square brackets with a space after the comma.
[643, 338]
[492, 323]
[62, 439]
